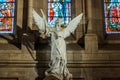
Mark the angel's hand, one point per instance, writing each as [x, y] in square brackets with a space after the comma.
[47, 31]
[43, 36]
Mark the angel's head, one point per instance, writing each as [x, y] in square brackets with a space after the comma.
[58, 23]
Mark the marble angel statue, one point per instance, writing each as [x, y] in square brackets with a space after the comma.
[58, 57]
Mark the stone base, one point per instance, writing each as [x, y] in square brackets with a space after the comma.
[91, 43]
[17, 70]
[15, 65]
[51, 77]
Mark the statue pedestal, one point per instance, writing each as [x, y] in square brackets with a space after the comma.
[91, 43]
[51, 77]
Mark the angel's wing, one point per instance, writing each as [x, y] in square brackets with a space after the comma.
[39, 21]
[71, 26]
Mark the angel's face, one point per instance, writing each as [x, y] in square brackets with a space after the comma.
[59, 28]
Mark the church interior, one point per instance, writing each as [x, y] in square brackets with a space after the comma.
[92, 51]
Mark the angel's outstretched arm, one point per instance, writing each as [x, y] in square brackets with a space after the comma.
[44, 17]
[47, 27]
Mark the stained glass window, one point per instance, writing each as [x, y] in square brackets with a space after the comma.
[112, 16]
[59, 9]
[7, 9]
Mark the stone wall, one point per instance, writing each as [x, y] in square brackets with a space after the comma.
[87, 62]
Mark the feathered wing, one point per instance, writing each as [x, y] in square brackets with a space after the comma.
[39, 21]
[71, 26]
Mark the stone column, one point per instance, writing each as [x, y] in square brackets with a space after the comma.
[28, 24]
[89, 15]
[30, 8]
[78, 9]
[91, 40]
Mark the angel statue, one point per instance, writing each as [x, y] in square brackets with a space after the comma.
[58, 60]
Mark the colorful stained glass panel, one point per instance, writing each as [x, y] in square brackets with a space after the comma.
[59, 9]
[6, 25]
[59, 0]
[7, 10]
[112, 16]
[7, 0]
